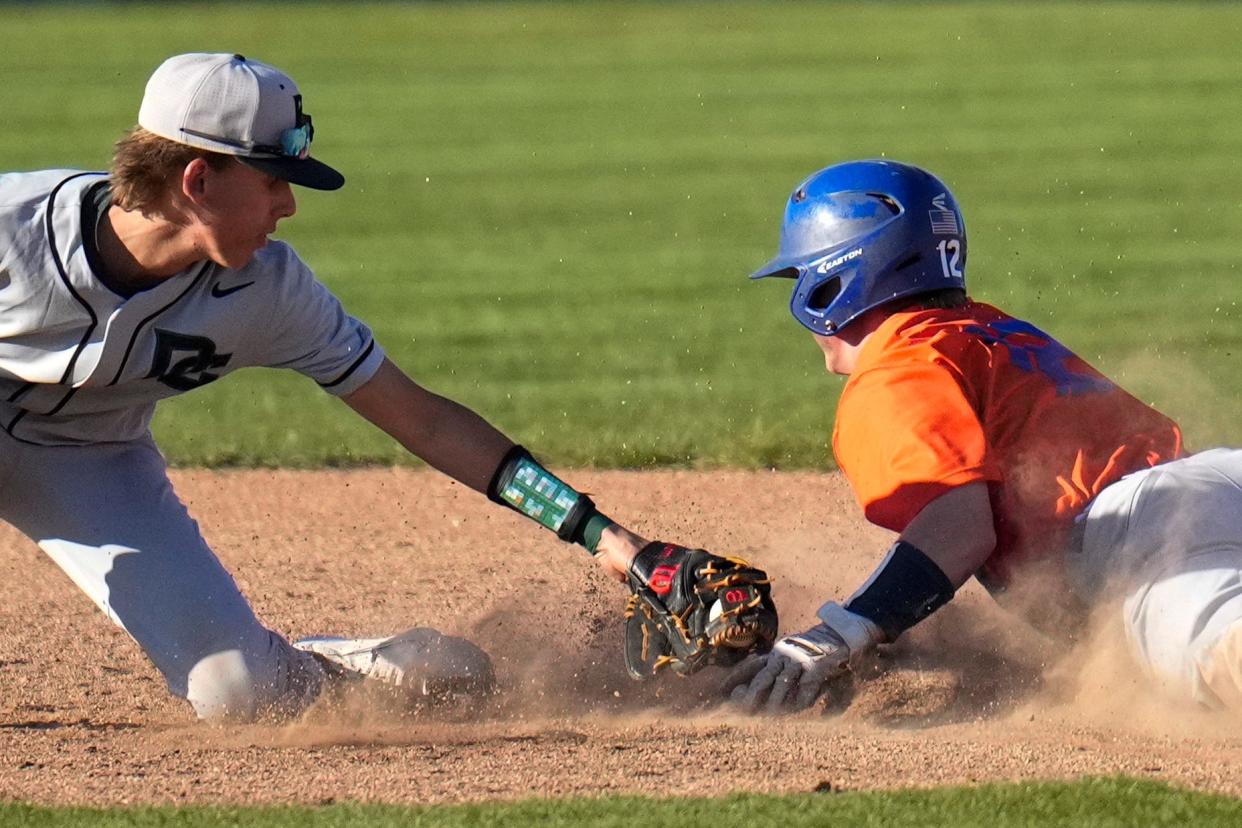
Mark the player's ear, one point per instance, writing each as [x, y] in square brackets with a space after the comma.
[194, 179]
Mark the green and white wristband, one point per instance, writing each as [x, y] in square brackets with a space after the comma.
[525, 486]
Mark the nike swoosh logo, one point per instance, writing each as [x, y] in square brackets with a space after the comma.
[220, 292]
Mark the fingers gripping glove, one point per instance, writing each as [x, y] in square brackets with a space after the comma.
[689, 608]
[799, 667]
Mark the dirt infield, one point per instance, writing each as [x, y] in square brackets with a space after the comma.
[971, 697]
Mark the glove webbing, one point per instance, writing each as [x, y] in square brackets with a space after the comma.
[730, 579]
[738, 610]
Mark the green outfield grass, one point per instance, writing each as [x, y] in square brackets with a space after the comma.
[1097, 803]
[551, 207]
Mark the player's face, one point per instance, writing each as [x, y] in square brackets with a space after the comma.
[239, 208]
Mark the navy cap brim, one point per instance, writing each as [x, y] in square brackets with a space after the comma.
[306, 172]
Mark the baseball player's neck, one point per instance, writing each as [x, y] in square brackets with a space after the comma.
[140, 250]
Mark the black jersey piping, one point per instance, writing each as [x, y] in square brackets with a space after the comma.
[128, 348]
[17, 395]
[50, 228]
[138, 328]
[94, 319]
[366, 353]
[14, 397]
[13, 424]
[64, 277]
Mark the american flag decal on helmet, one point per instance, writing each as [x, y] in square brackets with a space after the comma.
[943, 220]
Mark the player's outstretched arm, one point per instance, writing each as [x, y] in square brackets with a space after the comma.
[688, 607]
[445, 434]
[457, 441]
[943, 546]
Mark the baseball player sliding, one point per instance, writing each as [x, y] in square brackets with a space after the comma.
[993, 452]
[118, 290]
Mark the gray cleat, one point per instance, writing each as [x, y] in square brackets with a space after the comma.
[422, 662]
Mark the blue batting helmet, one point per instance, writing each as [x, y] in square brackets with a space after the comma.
[862, 233]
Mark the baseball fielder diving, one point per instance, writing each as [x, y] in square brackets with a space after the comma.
[120, 289]
[995, 453]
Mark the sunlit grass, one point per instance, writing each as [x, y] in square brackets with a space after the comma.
[551, 208]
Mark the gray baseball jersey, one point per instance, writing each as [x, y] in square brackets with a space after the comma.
[81, 368]
[81, 364]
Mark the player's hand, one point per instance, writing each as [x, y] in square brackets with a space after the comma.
[617, 549]
[792, 676]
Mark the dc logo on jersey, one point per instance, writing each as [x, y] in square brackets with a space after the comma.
[184, 361]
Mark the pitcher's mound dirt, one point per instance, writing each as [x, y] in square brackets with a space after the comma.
[972, 695]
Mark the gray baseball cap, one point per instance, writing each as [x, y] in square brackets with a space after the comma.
[228, 104]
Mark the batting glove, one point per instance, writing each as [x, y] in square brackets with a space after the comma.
[799, 667]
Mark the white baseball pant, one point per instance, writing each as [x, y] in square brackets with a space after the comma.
[1168, 541]
[108, 516]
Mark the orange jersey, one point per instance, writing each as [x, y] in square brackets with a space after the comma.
[941, 398]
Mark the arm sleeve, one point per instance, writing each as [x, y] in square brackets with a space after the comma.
[906, 434]
[311, 333]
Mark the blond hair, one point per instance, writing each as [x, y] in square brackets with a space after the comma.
[144, 165]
